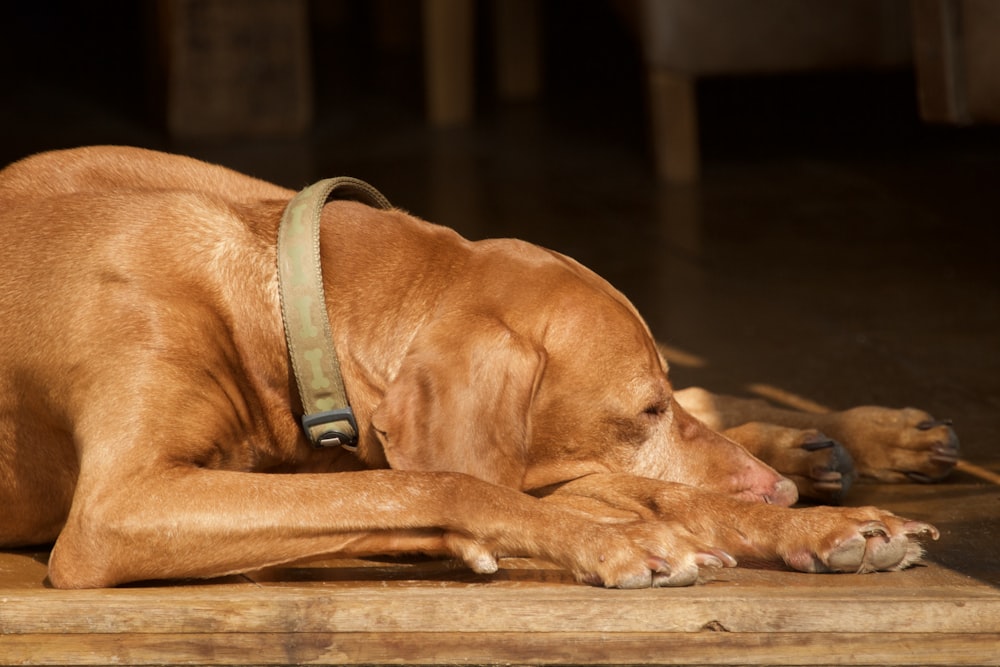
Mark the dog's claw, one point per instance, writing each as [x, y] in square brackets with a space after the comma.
[945, 453]
[875, 529]
[476, 557]
[818, 445]
[942, 453]
[484, 565]
[921, 529]
[715, 559]
[928, 424]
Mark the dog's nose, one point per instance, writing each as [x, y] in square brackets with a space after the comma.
[784, 494]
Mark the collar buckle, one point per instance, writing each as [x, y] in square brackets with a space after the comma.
[333, 428]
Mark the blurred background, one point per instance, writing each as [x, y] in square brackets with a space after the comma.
[801, 197]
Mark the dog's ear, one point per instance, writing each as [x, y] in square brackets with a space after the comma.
[462, 400]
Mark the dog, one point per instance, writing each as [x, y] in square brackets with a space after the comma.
[505, 401]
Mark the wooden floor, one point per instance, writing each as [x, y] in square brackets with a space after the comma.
[946, 612]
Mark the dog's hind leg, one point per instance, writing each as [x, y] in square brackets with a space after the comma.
[885, 444]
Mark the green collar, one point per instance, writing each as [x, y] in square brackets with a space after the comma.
[328, 420]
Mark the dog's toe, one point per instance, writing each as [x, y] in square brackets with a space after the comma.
[693, 568]
[936, 455]
[846, 556]
[685, 576]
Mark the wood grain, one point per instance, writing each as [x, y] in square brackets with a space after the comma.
[464, 648]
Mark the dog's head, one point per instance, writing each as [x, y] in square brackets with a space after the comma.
[539, 372]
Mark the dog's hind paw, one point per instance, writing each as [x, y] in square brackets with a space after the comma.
[898, 445]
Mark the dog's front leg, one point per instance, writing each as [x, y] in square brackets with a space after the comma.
[190, 522]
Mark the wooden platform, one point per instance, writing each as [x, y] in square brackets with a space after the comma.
[384, 612]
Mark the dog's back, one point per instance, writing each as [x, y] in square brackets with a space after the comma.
[116, 168]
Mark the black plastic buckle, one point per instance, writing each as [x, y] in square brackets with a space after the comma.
[332, 437]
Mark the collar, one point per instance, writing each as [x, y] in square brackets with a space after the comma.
[328, 420]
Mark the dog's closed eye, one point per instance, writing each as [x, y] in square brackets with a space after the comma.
[636, 429]
[655, 409]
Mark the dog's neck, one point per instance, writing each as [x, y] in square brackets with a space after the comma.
[327, 419]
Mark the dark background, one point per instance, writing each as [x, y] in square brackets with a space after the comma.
[837, 247]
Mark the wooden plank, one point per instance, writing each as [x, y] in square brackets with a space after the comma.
[442, 607]
[385, 611]
[707, 647]
[23, 570]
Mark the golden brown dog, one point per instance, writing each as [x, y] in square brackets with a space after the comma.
[508, 400]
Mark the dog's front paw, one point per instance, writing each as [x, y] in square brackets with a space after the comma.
[649, 554]
[859, 540]
[899, 445]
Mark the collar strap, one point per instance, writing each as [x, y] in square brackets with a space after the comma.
[328, 420]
